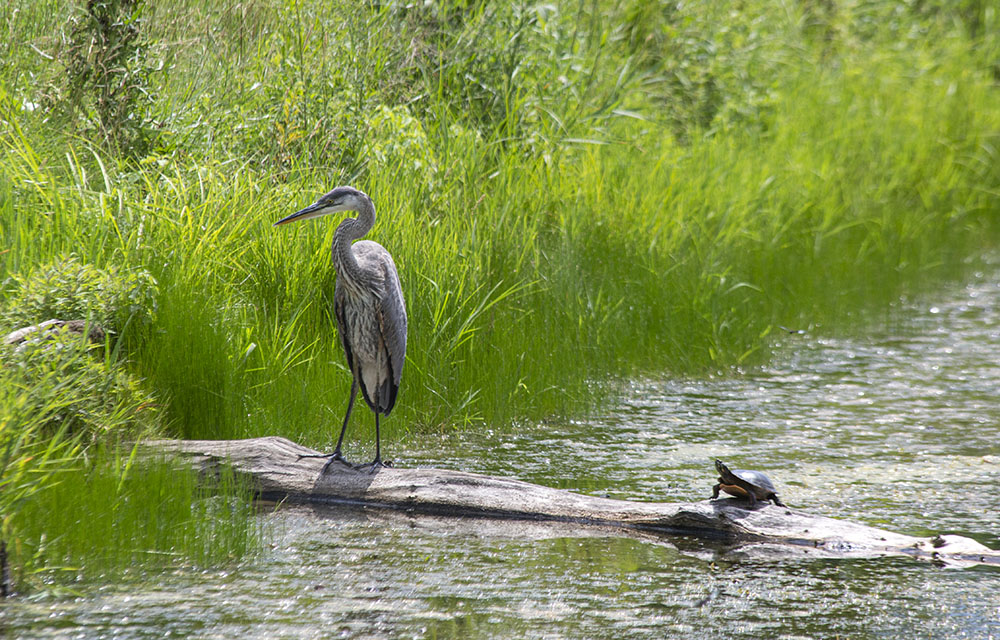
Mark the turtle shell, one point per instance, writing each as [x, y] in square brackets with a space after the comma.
[744, 482]
[756, 478]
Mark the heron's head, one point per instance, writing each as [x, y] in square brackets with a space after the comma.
[339, 199]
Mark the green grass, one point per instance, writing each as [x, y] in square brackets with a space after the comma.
[75, 502]
[574, 193]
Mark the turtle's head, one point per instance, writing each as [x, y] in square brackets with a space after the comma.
[722, 469]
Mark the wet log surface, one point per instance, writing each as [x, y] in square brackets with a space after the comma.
[280, 474]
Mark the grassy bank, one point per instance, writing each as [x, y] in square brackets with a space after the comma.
[573, 194]
[75, 500]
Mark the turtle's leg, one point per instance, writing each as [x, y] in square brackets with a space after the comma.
[715, 491]
[753, 498]
[775, 500]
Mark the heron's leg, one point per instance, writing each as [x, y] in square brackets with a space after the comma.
[337, 455]
[377, 462]
[378, 444]
[343, 429]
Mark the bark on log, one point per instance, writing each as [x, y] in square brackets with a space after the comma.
[279, 473]
[47, 329]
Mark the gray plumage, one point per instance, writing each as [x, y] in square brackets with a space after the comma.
[368, 304]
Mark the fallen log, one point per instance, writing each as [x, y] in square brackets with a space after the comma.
[280, 474]
[50, 328]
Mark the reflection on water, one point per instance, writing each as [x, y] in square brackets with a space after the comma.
[900, 430]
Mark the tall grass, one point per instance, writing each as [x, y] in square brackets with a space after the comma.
[76, 500]
[831, 167]
[535, 256]
[574, 193]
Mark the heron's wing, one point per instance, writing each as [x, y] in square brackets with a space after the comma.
[338, 311]
[392, 324]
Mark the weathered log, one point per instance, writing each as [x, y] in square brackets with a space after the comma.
[279, 473]
[47, 329]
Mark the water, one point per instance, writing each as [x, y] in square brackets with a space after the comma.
[899, 429]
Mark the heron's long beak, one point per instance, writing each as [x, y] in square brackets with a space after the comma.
[314, 210]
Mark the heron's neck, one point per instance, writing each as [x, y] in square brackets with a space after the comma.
[347, 232]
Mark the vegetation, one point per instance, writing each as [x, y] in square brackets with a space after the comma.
[574, 193]
[70, 412]
[133, 518]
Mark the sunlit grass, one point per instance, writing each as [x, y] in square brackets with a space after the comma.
[529, 278]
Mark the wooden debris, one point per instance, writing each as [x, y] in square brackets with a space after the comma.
[279, 473]
[48, 329]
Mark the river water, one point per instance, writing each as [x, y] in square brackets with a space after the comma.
[898, 428]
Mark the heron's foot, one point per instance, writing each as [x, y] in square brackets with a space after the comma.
[373, 466]
[332, 458]
[335, 455]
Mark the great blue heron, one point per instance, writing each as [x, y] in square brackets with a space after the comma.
[368, 304]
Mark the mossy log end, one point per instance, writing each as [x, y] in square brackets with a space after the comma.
[279, 473]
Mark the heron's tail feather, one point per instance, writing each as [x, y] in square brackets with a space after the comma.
[386, 397]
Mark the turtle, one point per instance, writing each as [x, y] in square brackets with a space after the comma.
[752, 485]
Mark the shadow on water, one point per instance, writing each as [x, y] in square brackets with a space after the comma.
[899, 430]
